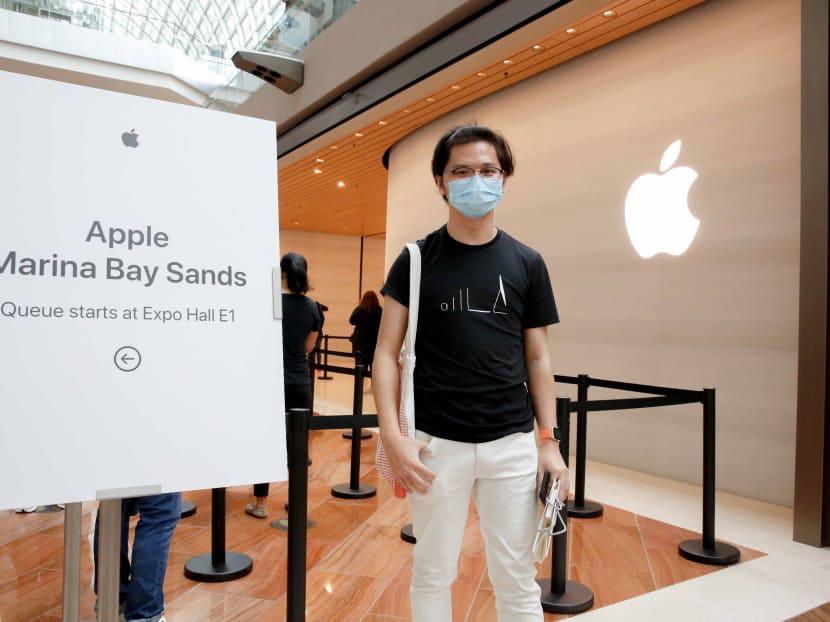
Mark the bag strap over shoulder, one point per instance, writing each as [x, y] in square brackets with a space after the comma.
[414, 296]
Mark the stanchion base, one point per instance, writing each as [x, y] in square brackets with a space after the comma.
[325, 377]
[574, 599]
[407, 534]
[201, 568]
[345, 491]
[364, 434]
[721, 555]
[588, 509]
[281, 524]
[188, 509]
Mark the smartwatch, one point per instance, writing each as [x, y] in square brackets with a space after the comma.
[550, 433]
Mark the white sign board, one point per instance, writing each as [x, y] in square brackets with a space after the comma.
[139, 350]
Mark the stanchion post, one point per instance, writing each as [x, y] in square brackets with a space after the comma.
[558, 594]
[218, 565]
[578, 507]
[325, 375]
[358, 361]
[297, 514]
[707, 550]
[354, 489]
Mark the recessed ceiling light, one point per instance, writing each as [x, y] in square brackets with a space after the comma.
[335, 147]
[481, 74]
[320, 160]
[296, 223]
[358, 134]
[406, 111]
[571, 31]
[430, 99]
[609, 13]
[507, 62]
[538, 47]
[317, 171]
[455, 87]
[382, 122]
[341, 184]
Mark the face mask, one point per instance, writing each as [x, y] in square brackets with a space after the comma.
[475, 196]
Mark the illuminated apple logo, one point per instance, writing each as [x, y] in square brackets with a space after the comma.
[130, 139]
[657, 211]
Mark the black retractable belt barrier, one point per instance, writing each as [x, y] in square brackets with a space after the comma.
[218, 565]
[298, 420]
[559, 595]
[325, 375]
[707, 551]
[578, 507]
[358, 360]
[354, 489]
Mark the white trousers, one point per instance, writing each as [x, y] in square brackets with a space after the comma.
[502, 476]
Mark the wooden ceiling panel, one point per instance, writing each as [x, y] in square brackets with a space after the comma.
[310, 201]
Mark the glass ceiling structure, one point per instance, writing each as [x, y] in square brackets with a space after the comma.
[209, 31]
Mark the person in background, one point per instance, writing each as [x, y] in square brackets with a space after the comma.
[141, 582]
[483, 375]
[301, 322]
[366, 321]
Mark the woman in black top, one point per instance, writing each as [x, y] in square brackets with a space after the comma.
[366, 321]
[301, 321]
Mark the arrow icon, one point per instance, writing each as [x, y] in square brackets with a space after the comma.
[127, 358]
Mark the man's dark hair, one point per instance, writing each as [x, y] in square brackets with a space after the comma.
[471, 134]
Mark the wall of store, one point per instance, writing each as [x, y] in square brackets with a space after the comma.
[725, 78]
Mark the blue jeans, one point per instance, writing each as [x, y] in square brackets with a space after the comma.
[142, 578]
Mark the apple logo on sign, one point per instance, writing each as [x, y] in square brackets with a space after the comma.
[657, 213]
[130, 139]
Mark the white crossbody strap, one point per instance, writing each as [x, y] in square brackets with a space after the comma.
[407, 410]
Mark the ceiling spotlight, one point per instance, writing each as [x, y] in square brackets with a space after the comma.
[538, 47]
[455, 87]
[571, 31]
[334, 147]
[406, 111]
[507, 62]
[609, 13]
[430, 99]
[358, 134]
[382, 123]
[341, 184]
[317, 171]
[320, 160]
[481, 74]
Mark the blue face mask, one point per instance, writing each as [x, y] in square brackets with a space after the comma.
[474, 196]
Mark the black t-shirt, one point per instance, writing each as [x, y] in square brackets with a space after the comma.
[475, 301]
[300, 316]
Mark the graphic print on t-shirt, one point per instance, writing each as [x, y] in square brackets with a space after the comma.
[499, 304]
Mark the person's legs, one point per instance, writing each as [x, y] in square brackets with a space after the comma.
[505, 496]
[438, 521]
[158, 517]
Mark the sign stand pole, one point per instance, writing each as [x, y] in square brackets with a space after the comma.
[72, 562]
[109, 552]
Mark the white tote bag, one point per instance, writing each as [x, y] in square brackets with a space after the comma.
[406, 405]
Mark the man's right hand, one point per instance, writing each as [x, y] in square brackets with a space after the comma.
[404, 455]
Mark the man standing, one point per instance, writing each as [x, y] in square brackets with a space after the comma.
[141, 581]
[483, 373]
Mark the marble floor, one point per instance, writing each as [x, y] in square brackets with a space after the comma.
[359, 568]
